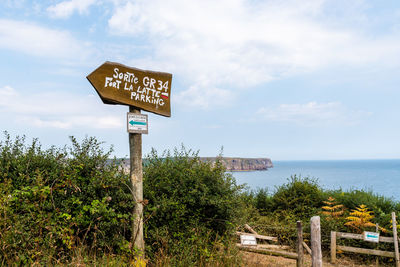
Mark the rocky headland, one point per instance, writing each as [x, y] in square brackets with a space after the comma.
[243, 164]
[231, 164]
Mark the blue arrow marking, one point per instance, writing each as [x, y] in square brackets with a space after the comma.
[137, 123]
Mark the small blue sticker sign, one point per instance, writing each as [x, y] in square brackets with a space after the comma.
[371, 237]
[137, 123]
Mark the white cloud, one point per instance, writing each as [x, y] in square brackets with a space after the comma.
[68, 122]
[36, 40]
[65, 9]
[312, 114]
[62, 111]
[6, 94]
[233, 44]
[204, 97]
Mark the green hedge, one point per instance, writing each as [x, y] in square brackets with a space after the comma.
[53, 201]
[192, 205]
[57, 204]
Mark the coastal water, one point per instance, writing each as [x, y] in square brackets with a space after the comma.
[380, 176]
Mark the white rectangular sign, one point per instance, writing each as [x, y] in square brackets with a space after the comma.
[371, 237]
[137, 123]
[248, 240]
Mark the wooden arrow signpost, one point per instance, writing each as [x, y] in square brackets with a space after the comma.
[118, 84]
[139, 89]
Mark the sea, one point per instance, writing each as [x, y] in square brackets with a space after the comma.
[382, 177]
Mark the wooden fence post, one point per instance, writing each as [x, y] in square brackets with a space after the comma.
[377, 245]
[333, 247]
[395, 240]
[300, 251]
[316, 242]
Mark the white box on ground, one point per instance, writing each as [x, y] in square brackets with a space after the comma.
[248, 240]
[137, 123]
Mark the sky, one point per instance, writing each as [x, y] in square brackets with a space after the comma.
[288, 80]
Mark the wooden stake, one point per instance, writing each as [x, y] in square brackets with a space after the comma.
[136, 174]
[308, 249]
[377, 245]
[250, 229]
[333, 247]
[316, 242]
[300, 251]
[396, 242]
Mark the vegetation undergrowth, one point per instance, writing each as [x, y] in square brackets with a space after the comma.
[300, 198]
[55, 201]
[73, 206]
[193, 210]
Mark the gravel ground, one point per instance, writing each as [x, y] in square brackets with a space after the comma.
[259, 260]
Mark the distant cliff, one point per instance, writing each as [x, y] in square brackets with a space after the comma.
[243, 164]
[231, 164]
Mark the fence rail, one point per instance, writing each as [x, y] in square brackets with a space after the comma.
[382, 253]
[334, 247]
[266, 249]
[315, 252]
[386, 239]
[367, 251]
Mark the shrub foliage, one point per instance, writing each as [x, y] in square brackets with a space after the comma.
[55, 200]
[300, 196]
[55, 203]
[191, 204]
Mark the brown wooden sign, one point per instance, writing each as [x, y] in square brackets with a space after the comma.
[118, 84]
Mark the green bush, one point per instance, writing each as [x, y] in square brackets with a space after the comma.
[300, 197]
[56, 200]
[190, 203]
[260, 199]
[67, 205]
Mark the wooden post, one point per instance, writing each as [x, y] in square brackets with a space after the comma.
[300, 251]
[250, 229]
[396, 242]
[307, 248]
[160, 104]
[377, 245]
[316, 256]
[333, 247]
[136, 174]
